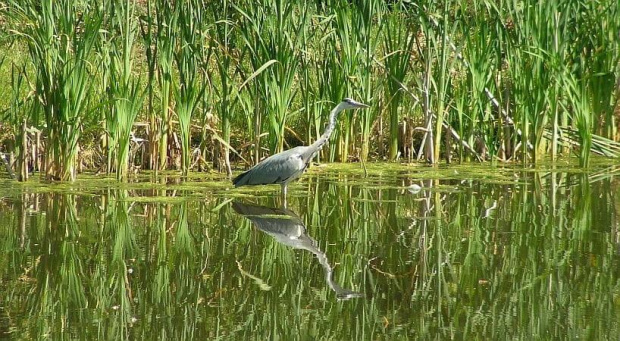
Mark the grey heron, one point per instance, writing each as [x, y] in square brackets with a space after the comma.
[287, 228]
[289, 165]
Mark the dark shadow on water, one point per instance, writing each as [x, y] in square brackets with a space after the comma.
[287, 228]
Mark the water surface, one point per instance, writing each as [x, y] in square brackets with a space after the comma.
[461, 253]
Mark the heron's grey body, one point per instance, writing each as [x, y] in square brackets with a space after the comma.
[289, 165]
[280, 168]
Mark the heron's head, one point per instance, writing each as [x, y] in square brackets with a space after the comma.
[348, 103]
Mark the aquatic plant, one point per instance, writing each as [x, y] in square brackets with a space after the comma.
[60, 36]
[188, 59]
[125, 94]
[485, 80]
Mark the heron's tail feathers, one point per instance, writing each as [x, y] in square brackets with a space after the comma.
[241, 179]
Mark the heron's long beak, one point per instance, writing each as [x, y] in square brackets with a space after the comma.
[359, 105]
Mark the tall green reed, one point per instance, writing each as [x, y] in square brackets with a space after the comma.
[576, 102]
[307, 84]
[370, 15]
[481, 59]
[272, 31]
[436, 84]
[355, 42]
[125, 92]
[331, 88]
[149, 38]
[236, 84]
[596, 41]
[224, 43]
[441, 81]
[17, 116]
[166, 18]
[600, 59]
[187, 56]
[344, 54]
[60, 36]
[398, 43]
[547, 41]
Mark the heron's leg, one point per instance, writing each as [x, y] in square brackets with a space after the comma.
[284, 190]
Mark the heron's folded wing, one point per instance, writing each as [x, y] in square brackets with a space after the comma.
[273, 170]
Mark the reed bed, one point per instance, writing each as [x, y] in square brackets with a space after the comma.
[198, 83]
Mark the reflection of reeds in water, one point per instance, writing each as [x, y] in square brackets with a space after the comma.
[440, 262]
[59, 291]
[288, 229]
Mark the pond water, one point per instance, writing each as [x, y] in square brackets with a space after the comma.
[465, 252]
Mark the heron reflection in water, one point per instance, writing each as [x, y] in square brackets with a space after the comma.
[287, 228]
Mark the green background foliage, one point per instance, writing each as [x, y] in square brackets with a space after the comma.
[191, 85]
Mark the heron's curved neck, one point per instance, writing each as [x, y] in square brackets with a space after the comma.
[318, 144]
